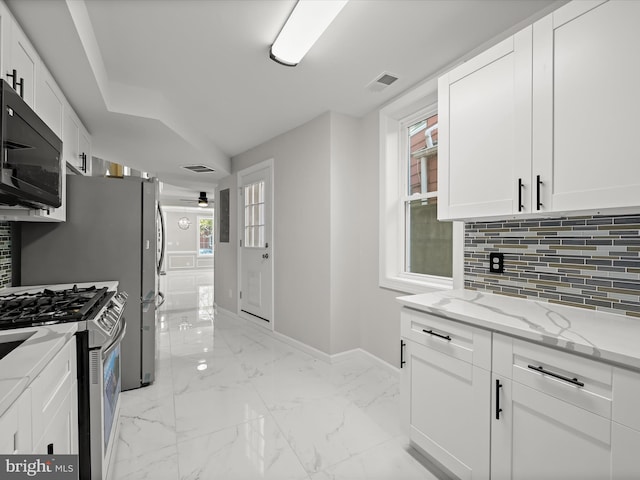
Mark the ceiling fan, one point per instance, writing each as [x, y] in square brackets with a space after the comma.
[202, 200]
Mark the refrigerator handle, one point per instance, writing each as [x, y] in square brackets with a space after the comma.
[161, 240]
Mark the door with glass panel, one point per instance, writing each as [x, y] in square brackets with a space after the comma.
[256, 265]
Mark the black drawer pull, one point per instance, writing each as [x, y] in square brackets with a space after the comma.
[520, 185]
[402, 360]
[498, 409]
[538, 183]
[14, 77]
[573, 381]
[431, 332]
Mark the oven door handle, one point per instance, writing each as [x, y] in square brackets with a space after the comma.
[116, 341]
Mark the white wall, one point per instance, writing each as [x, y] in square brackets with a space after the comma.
[345, 232]
[378, 312]
[181, 246]
[301, 229]
[225, 254]
[326, 197]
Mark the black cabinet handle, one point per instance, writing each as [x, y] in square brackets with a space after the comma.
[402, 360]
[431, 332]
[13, 76]
[573, 381]
[83, 156]
[520, 185]
[498, 409]
[50, 449]
[21, 85]
[538, 183]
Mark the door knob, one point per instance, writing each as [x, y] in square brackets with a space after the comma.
[266, 255]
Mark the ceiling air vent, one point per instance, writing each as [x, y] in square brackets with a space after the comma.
[199, 168]
[381, 82]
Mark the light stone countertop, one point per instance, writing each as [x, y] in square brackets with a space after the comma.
[603, 336]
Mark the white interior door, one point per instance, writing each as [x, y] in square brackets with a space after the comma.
[256, 263]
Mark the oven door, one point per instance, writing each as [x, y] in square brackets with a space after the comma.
[104, 401]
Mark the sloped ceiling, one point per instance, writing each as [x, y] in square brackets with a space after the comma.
[161, 84]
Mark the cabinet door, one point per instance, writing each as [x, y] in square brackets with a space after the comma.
[24, 60]
[15, 426]
[51, 388]
[71, 138]
[5, 33]
[448, 404]
[60, 436]
[586, 105]
[626, 445]
[484, 107]
[49, 101]
[536, 435]
[84, 151]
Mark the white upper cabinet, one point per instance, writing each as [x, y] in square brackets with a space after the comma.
[586, 104]
[70, 137]
[40, 91]
[484, 107]
[5, 26]
[21, 64]
[84, 151]
[76, 148]
[50, 101]
[545, 122]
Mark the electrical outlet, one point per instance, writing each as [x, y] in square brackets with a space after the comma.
[496, 262]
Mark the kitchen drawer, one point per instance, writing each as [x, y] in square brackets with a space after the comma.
[520, 361]
[50, 388]
[626, 392]
[461, 341]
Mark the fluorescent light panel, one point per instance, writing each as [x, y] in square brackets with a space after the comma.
[308, 20]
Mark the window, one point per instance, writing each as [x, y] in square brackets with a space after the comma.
[417, 252]
[254, 215]
[205, 236]
[428, 242]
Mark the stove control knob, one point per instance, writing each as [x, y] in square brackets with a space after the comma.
[111, 318]
[103, 323]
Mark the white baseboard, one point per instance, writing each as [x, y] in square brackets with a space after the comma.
[360, 353]
[314, 352]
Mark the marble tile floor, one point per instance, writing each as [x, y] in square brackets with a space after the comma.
[232, 402]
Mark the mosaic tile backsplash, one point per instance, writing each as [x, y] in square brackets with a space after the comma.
[5, 254]
[588, 262]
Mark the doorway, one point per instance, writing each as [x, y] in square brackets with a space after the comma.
[255, 259]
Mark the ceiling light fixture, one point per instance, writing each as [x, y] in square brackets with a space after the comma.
[308, 20]
[203, 201]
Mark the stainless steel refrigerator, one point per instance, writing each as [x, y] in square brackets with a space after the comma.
[113, 231]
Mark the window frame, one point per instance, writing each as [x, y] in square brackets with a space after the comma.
[394, 119]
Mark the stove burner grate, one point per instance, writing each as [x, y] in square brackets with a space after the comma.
[48, 307]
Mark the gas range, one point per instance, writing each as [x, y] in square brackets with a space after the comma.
[98, 310]
[99, 307]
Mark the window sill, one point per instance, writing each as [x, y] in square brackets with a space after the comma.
[416, 284]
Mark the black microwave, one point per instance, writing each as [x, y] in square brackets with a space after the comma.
[31, 156]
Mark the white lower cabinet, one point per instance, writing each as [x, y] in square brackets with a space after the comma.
[15, 426]
[448, 397]
[61, 434]
[536, 413]
[44, 419]
[536, 435]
